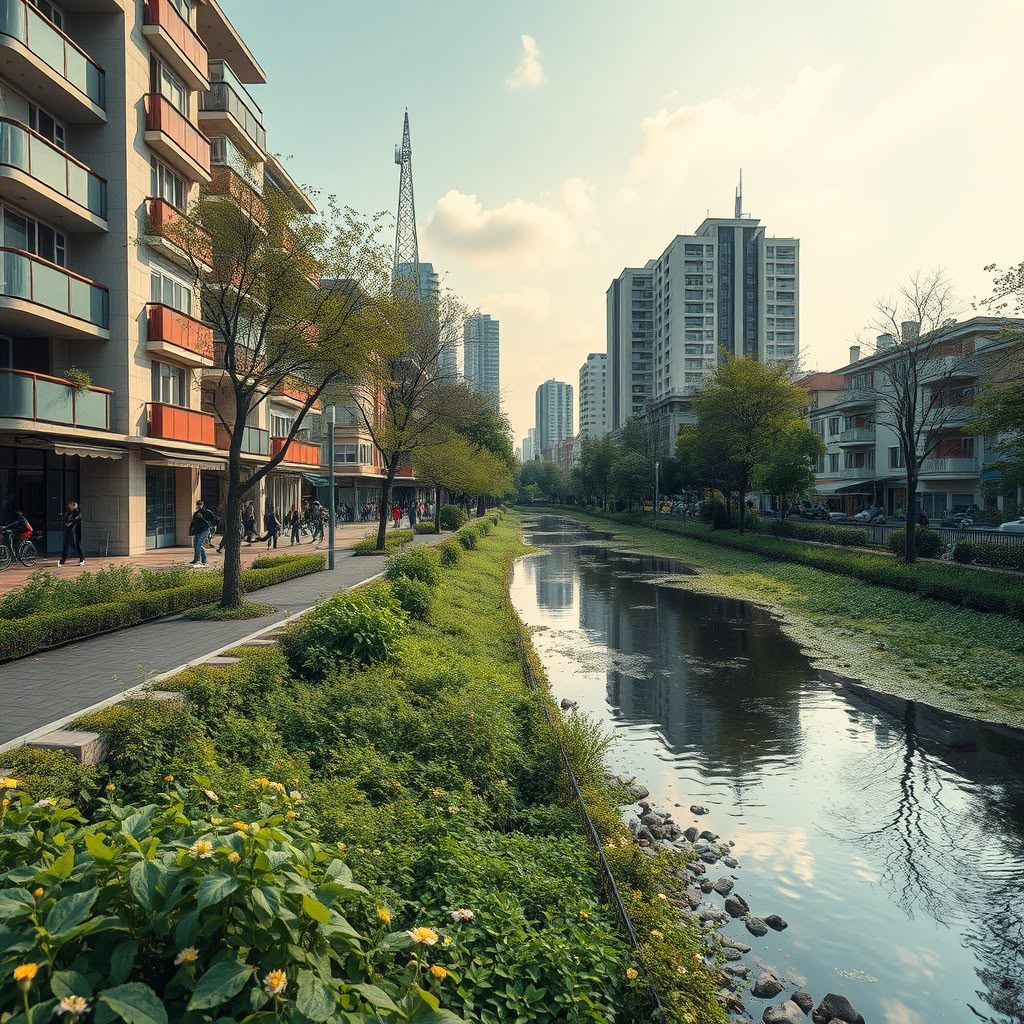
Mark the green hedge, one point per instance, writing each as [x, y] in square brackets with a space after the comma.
[985, 552]
[843, 536]
[392, 539]
[927, 543]
[986, 592]
[51, 629]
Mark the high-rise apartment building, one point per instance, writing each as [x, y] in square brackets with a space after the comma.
[480, 355]
[530, 452]
[428, 289]
[630, 344]
[594, 396]
[115, 115]
[553, 408]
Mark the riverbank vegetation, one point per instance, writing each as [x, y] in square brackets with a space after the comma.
[396, 802]
[953, 657]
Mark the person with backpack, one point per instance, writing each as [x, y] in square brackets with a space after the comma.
[272, 525]
[199, 529]
[292, 522]
[72, 533]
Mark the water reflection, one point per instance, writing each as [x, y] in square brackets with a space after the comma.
[891, 835]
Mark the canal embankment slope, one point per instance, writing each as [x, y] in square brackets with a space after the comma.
[957, 659]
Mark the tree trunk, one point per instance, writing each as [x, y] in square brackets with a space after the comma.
[437, 510]
[481, 507]
[743, 498]
[910, 548]
[385, 504]
[231, 591]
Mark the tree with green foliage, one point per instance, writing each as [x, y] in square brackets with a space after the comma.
[597, 456]
[632, 478]
[788, 472]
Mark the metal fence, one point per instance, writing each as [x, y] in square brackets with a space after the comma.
[878, 535]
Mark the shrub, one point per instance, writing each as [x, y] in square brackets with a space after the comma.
[716, 513]
[449, 552]
[425, 526]
[413, 595]
[392, 539]
[964, 553]
[927, 543]
[484, 526]
[214, 612]
[353, 627]
[453, 517]
[418, 563]
[843, 536]
[990, 553]
[468, 537]
[51, 774]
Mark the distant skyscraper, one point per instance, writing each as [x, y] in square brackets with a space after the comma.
[594, 396]
[480, 355]
[553, 405]
[428, 289]
[530, 452]
[630, 318]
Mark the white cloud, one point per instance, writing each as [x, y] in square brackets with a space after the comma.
[579, 197]
[529, 72]
[527, 303]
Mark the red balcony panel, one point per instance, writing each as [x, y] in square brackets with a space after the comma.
[227, 182]
[301, 452]
[170, 223]
[162, 116]
[173, 423]
[174, 328]
[294, 389]
[164, 14]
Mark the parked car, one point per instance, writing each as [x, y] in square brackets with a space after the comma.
[867, 515]
[1013, 526]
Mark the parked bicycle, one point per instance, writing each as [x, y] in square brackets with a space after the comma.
[16, 547]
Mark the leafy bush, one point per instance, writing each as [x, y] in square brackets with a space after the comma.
[413, 595]
[991, 553]
[161, 913]
[964, 552]
[425, 526]
[927, 543]
[468, 537]
[353, 627]
[418, 563]
[449, 552]
[716, 513]
[52, 773]
[484, 526]
[843, 536]
[393, 539]
[453, 517]
[214, 613]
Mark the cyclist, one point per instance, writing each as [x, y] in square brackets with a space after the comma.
[20, 529]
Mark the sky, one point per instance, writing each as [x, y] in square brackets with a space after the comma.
[556, 142]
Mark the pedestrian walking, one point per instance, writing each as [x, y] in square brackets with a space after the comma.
[396, 514]
[272, 525]
[199, 529]
[316, 521]
[292, 522]
[72, 533]
[412, 515]
[248, 522]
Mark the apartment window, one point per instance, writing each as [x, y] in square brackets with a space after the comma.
[29, 235]
[896, 460]
[49, 11]
[859, 460]
[353, 454]
[165, 82]
[280, 424]
[47, 125]
[165, 184]
[170, 384]
[833, 463]
[833, 425]
[184, 8]
[170, 291]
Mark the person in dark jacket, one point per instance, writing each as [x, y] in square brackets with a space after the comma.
[272, 525]
[199, 529]
[248, 523]
[72, 533]
[292, 522]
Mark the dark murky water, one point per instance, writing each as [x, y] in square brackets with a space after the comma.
[889, 835]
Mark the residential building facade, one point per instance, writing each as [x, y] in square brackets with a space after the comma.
[530, 452]
[629, 310]
[594, 396]
[481, 355]
[554, 414]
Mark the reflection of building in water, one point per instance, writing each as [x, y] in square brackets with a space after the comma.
[556, 582]
[596, 614]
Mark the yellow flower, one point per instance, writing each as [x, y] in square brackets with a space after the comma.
[584, 913]
[216, 821]
[425, 936]
[376, 853]
[384, 915]
[168, 778]
[342, 846]
[448, 940]
[239, 826]
[189, 955]
[75, 1005]
[290, 815]
[439, 972]
[234, 857]
[632, 973]
[662, 896]
[275, 983]
[109, 787]
[655, 934]
[254, 828]
[24, 973]
[262, 782]
[5, 803]
[437, 792]
[276, 787]
[201, 849]
[295, 796]
[44, 804]
[453, 810]
[8, 783]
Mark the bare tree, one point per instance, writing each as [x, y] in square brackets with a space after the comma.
[258, 260]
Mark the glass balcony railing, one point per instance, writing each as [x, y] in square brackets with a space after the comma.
[227, 95]
[20, 20]
[28, 277]
[35, 396]
[255, 440]
[39, 158]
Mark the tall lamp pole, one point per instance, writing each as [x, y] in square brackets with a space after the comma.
[330, 471]
[657, 471]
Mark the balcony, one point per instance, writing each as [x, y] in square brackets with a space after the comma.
[301, 453]
[857, 397]
[857, 473]
[949, 368]
[176, 237]
[41, 299]
[224, 42]
[174, 423]
[46, 181]
[255, 440]
[294, 391]
[956, 466]
[175, 138]
[857, 435]
[226, 108]
[49, 66]
[951, 414]
[172, 333]
[176, 41]
[35, 396]
[227, 184]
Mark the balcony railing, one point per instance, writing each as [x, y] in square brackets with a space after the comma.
[221, 98]
[163, 117]
[163, 14]
[175, 328]
[858, 473]
[36, 280]
[255, 440]
[22, 21]
[170, 223]
[301, 452]
[294, 389]
[857, 435]
[951, 466]
[226, 181]
[36, 396]
[28, 151]
[174, 423]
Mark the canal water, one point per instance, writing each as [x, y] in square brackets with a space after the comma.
[890, 836]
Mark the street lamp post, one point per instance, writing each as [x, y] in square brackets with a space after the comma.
[330, 471]
[657, 471]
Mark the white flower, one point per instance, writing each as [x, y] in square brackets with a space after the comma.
[39, 805]
[462, 915]
[75, 1005]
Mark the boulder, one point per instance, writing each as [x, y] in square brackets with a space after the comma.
[731, 862]
[736, 906]
[731, 954]
[737, 970]
[650, 818]
[709, 857]
[696, 867]
[698, 809]
[730, 943]
[767, 986]
[833, 1008]
[691, 834]
[776, 923]
[567, 705]
[709, 836]
[804, 1000]
[644, 833]
[707, 886]
[784, 1013]
[638, 792]
[693, 896]
[724, 886]
[757, 927]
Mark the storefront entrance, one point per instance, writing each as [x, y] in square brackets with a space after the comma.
[39, 483]
[160, 507]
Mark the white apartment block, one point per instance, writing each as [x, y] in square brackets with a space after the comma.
[629, 304]
[530, 452]
[554, 412]
[594, 396]
[481, 355]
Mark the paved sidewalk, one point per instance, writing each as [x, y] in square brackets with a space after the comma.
[49, 686]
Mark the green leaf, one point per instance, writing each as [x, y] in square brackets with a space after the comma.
[315, 909]
[60, 869]
[15, 903]
[139, 821]
[70, 983]
[339, 870]
[314, 999]
[145, 877]
[14, 941]
[70, 912]
[135, 1003]
[219, 984]
[214, 888]
[428, 997]
[99, 849]
[375, 996]
[122, 960]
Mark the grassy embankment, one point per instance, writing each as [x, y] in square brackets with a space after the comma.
[438, 775]
[955, 658]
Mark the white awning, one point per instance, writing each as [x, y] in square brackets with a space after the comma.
[181, 460]
[88, 451]
[843, 487]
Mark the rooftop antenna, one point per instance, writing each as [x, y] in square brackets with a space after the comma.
[739, 197]
[407, 249]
